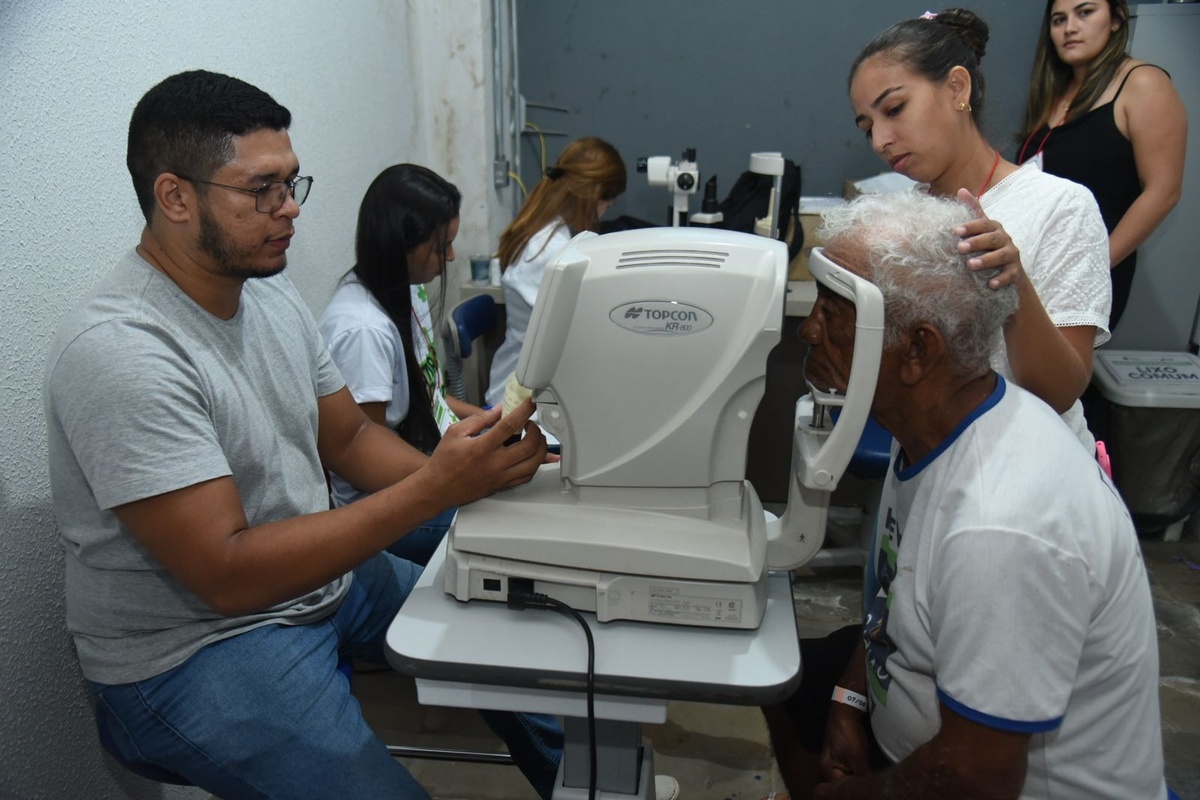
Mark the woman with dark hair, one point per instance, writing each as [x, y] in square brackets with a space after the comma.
[1094, 116]
[379, 332]
[917, 91]
[572, 197]
[379, 328]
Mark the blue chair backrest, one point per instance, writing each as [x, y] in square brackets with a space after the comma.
[472, 318]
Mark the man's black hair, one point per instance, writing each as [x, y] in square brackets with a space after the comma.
[186, 125]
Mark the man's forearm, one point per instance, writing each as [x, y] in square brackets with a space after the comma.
[377, 458]
[310, 550]
[963, 761]
[200, 534]
[919, 777]
[855, 676]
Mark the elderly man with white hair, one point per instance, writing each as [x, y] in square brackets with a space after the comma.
[1010, 651]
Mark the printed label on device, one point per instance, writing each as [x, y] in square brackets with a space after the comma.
[669, 603]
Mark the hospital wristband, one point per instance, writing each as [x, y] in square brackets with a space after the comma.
[853, 699]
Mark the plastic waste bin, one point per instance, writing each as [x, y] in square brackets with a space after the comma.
[1148, 415]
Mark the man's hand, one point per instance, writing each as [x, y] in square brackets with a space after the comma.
[964, 759]
[988, 237]
[846, 749]
[472, 460]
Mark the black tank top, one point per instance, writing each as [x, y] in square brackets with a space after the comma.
[1091, 150]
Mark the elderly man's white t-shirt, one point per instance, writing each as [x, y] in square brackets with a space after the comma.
[1013, 591]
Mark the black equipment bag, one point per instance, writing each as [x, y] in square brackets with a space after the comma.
[749, 198]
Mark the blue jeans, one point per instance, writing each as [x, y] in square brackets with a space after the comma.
[266, 713]
[419, 544]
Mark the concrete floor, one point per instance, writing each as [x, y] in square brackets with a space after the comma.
[721, 752]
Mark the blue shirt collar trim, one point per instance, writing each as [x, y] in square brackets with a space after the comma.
[912, 470]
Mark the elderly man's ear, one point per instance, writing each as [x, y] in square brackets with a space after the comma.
[920, 350]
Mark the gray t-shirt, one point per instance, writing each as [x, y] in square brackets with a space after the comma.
[147, 393]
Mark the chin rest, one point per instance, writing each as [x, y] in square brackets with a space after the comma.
[869, 464]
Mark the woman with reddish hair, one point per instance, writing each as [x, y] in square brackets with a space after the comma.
[572, 197]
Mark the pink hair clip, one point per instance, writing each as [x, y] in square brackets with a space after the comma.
[928, 15]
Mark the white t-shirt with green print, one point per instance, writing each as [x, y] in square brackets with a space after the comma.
[367, 348]
[427, 356]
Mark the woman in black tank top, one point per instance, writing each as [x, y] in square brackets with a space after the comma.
[1095, 117]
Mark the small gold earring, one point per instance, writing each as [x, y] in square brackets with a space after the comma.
[964, 106]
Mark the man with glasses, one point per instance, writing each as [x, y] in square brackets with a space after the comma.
[192, 409]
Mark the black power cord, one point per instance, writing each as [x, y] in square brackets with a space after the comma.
[522, 596]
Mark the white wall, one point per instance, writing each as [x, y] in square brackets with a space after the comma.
[368, 83]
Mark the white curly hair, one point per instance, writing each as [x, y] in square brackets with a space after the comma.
[910, 242]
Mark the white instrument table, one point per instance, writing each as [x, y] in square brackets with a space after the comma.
[486, 655]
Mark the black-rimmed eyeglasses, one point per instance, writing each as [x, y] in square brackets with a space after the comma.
[271, 196]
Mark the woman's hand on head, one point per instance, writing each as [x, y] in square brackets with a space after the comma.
[991, 242]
